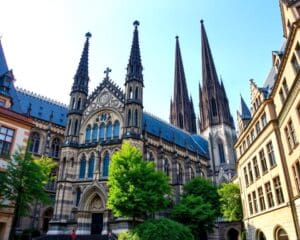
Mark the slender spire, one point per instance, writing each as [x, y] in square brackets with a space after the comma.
[209, 73]
[3, 64]
[180, 88]
[81, 77]
[182, 112]
[134, 67]
[244, 110]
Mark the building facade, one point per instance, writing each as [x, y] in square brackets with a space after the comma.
[267, 146]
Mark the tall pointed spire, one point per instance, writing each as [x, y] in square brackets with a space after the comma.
[3, 64]
[81, 78]
[181, 112]
[134, 67]
[209, 73]
[214, 106]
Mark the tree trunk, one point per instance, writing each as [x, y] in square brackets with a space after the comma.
[15, 220]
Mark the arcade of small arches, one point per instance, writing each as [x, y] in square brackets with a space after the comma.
[279, 234]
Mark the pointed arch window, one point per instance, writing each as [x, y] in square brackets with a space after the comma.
[78, 195]
[75, 127]
[69, 127]
[136, 93]
[130, 93]
[82, 167]
[221, 152]
[180, 174]
[35, 143]
[129, 118]
[101, 131]
[109, 131]
[78, 104]
[214, 107]
[166, 167]
[95, 133]
[91, 166]
[116, 131]
[55, 146]
[105, 164]
[136, 118]
[88, 134]
[180, 120]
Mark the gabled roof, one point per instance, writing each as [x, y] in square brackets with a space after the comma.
[244, 110]
[170, 133]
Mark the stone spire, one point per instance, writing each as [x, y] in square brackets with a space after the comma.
[214, 106]
[181, 110]
[244, 111]
[134, 67]
[81, 78]
[3, 64]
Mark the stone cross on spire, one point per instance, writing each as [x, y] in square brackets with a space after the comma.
[107, 71]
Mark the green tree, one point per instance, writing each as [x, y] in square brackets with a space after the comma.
[199, 206]
[136, 189]
[160, 229]
[24, 182]
[230, 200]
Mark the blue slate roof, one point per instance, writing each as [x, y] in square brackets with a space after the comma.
[244, 110]
[168, 132]
[3, 64]
[41, 108]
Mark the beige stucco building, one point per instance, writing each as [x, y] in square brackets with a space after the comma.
[267, 148]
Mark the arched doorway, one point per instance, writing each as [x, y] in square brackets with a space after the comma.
[97, 215]
[280, 234]
[232, 234]
[260, 235]
[46, 218]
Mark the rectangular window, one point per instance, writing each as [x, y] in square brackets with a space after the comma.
[298, 10]
[2, 102]
[278, 190]
[269, 193]
[244, 146]
[292, 133]
[263, 161]
[254, 202]
[296, 177]
[246, 176]
[250, 204]
[252, 135]
[288, 138]
[250, 172]
[298, 111]
[6, 138]
[285, 87]
[281, 95]
[264, 120]
[295, 64]
[256, 168]
[261, 198]
[257, 127]
[241, 150]
[248, 140]
[298, 45]
[271, 154]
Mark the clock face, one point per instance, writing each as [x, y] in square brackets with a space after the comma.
[104, 98]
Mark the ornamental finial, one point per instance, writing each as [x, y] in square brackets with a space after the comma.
[88, 35]
[136, 23]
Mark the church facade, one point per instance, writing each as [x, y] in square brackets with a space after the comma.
[83, 136]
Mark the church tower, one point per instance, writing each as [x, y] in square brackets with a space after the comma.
[78, 95]
[134, 84]
[182, 112]
[216, 122]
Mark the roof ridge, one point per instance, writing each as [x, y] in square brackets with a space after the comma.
[44, 98]
[164, 121]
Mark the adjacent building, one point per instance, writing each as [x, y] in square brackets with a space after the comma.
[267, 147]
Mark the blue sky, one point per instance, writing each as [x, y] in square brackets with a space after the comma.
[43, 41]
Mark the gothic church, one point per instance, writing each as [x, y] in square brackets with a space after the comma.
[84, 135]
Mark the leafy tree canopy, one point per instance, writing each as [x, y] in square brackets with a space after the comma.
[230, 199]
[24, 181]
[160, 229]
[136, 189]
[204, 188]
